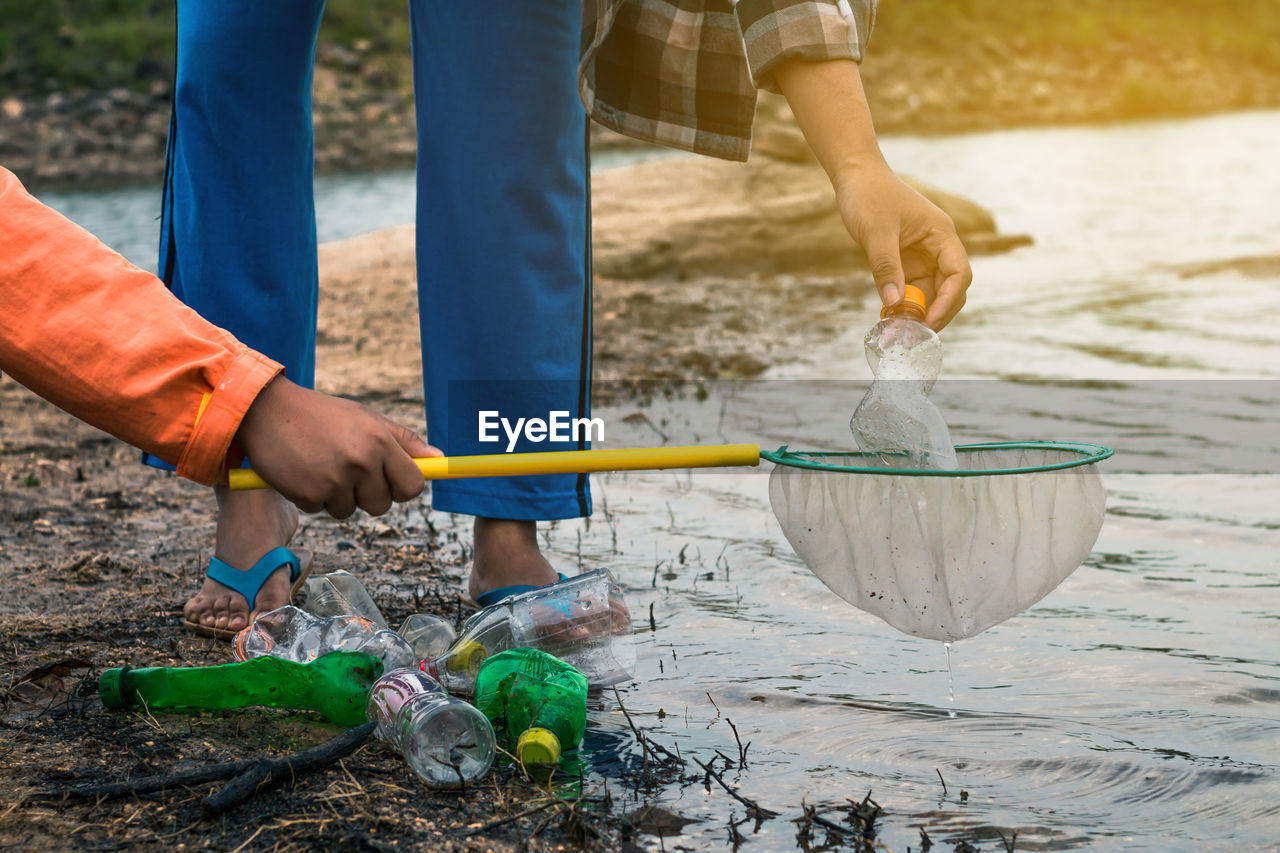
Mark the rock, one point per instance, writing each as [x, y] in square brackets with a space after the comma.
[775, 214]
[1257, 266]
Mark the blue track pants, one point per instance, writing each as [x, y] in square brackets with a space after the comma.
[503, 249]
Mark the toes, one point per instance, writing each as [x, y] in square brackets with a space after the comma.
[196, 608]
[237, 621]
[220, 612]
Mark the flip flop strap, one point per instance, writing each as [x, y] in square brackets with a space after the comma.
[497, 596]
[249, 583]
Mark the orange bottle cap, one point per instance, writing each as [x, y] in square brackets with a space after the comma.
[912, 302]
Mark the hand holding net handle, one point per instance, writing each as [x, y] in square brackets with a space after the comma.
[559, 462]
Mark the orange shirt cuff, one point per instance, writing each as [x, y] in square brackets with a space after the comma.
[204, 458]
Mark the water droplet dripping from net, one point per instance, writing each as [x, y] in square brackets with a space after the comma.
[951, 682]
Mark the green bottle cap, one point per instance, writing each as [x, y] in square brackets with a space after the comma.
[111, 688]
[538, 749]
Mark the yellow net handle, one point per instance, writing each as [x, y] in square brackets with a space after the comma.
[559, 462]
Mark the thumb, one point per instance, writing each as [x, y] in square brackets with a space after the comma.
[886, 266]
[410, 442]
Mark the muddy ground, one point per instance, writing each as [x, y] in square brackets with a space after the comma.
[98, 553]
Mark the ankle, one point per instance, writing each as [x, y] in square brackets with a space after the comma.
[250, 524]
[506, 552]
[505, 533]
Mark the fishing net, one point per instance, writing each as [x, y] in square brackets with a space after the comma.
[942, 554]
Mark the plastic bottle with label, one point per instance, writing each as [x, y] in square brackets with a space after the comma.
[445, 741]
[583, 620]
[537, 704]
[896, 421]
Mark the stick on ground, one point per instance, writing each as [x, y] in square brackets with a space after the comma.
[162, 782]
[269, 771]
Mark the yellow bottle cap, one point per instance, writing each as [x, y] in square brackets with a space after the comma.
[538, 749]
[912, 302]
[467, 657]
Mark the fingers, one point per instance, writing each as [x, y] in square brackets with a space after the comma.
[952, 278]
[402, 475]
[341, 503]
[885, 259]
[411, 442]
[307, 506]
[403, 478]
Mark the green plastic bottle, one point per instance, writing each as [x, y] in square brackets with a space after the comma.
[336, 685]
[536, 702]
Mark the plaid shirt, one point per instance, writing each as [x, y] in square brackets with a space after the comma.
[684, 73]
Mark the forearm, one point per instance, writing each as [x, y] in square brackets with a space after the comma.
[831, 108]
[107, 342]
[906, 238]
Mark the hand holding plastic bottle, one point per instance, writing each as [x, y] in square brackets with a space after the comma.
[896, 420]
[906, 237]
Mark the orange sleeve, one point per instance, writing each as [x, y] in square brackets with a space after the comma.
[107, 342]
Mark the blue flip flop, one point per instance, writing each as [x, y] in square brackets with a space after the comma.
[502, 593]
[249, 583]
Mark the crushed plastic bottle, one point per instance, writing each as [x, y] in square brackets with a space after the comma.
[430, 636]
[537, 704]
[339, 593]
[584, 621]
[293, 634]
[336, 685]
[445, 741]
[896, 420]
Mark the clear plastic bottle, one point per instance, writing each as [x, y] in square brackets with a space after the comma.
[293, 634]
[896, 420]
[537, 704]
[447, 742]
[430, 636]
[584, 621]
[339, 593]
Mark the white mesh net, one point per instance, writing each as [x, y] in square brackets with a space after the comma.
[943, 558]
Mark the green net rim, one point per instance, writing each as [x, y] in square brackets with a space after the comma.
[1087, 454]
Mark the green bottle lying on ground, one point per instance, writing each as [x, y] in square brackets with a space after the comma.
[536, 702]
[336, 685]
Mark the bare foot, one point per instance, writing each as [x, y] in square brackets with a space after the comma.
[249, 525]
[506, 554]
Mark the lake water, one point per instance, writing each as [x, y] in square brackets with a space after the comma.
[1137, 707]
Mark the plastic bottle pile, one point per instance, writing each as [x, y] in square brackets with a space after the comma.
[294, 634]
[529, 661]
